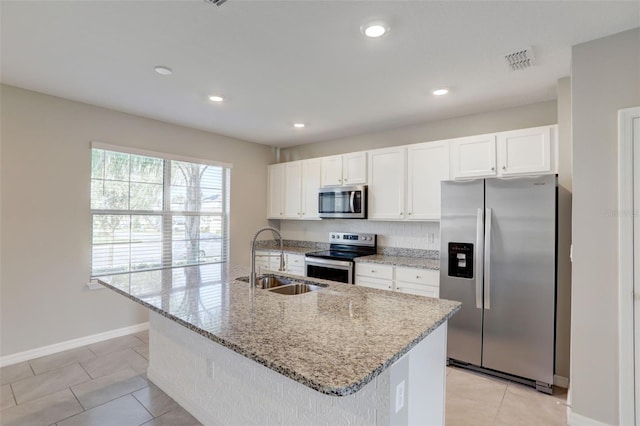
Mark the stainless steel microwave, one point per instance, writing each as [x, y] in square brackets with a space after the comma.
[343, 202]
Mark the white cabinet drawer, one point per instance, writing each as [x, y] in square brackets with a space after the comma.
[296, 271]
[295, 261]
[417, 289]
[418, 276]
[295, 264]
[374, 283]
[375, 270]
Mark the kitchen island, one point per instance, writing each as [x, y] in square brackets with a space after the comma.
[343, 354]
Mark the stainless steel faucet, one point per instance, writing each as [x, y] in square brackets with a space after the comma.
[253, 275]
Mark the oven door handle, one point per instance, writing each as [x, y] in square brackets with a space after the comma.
[340, 264]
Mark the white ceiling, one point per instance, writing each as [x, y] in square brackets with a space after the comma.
[280, 62]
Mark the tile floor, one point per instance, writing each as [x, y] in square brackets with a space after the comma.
[105, 384]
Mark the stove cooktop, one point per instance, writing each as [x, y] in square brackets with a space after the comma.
[336, 254]
[347, 246]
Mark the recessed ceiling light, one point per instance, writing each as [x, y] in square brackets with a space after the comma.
[162, 70]
[440, 92]
[374, 29]
[215, 98]
[298, 125]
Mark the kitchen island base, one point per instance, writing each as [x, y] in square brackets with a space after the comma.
[221, 387]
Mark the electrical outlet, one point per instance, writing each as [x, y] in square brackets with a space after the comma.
[399, 396]
[210, 369]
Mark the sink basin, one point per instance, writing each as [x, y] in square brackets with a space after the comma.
[297, 288]
[267, 281]
[271, 281]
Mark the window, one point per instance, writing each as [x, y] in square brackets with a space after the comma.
[155, 211]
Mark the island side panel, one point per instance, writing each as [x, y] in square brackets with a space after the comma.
[238, 390]
[427, 379]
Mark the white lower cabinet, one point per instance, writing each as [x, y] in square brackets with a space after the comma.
[417, 281]
[294, 264]
[374, 283]
[269, 260]
[422, 282]
[263, 261]
[374, 275]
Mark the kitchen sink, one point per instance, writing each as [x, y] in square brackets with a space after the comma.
[267, 281]
[271, 281]
[297, 288]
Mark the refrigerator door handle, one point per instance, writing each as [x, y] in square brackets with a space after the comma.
[478, 254]
[487, 260]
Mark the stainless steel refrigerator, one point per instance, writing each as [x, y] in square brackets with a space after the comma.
[498, 257]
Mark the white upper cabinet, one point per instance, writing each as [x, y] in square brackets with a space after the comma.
[331, 170]
[347, 169]
[427, 166]
[310, 185]
[473, 156]
[386, 180]
[404, 182]
[526, 151]
[292, 189]
[275, 195]
[354, 168]
[516, 152]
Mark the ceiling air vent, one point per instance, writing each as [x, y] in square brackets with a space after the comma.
[215, 2]
[521, 59]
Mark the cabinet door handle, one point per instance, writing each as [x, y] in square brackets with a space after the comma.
[418, 277]
[504, 167]
[373, 271]
[493, 168]
[409, 213]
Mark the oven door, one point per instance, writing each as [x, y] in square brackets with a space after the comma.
[327, 269]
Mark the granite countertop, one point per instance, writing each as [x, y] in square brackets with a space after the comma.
[291, 246]
[407, 261]
[288, 249]
[334, 340]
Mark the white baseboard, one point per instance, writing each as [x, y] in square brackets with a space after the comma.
[70, 344]
[560, 381]
[574, 419]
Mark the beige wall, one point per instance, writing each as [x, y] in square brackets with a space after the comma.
[45, 220]
[605, 78]
[532, 115]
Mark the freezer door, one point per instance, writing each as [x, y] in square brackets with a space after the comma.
[519, 314]
[461, 228]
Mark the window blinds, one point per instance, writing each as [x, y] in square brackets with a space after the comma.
[150, 212]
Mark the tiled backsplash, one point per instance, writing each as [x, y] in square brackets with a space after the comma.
[412, 235]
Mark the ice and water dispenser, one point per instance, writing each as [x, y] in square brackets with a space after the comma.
[461, 260]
